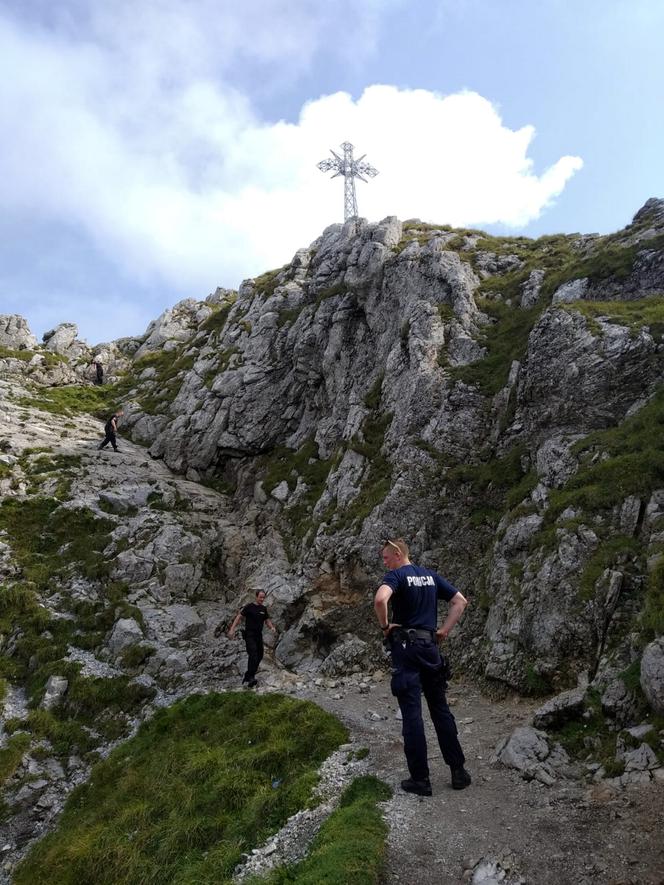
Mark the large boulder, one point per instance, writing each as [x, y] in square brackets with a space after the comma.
[174, 326]
[618, 701]
[350, 653]
[15, 333]
[56, 688]
[60, 339]
[125, 633]
[560, 709]
[529, 752]
[652, 674]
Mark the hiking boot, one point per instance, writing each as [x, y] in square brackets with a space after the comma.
[420, 788]
[460, 779]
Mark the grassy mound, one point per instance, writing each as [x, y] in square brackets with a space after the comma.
[350, 846]
[203, 781]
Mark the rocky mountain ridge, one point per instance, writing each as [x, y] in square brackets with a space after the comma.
[497, 401]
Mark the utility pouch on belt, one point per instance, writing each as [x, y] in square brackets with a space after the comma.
[446, 670]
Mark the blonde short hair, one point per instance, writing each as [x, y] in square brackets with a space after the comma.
[399, 544]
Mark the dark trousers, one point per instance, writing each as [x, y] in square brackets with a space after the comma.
[109, 438]
[254, 644]
[417, 668]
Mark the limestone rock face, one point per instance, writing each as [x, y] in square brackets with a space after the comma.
[357, 353]
[15, 333]
[61, 339]
[174, 326]
[480, 396]
[356, 393]
[652, 675]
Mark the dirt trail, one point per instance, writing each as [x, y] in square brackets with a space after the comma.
[567, 834]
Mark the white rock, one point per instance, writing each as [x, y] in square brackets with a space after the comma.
[56, 688]
[652, 674]
[126, 632]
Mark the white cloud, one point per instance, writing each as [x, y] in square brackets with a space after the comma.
[135, 136]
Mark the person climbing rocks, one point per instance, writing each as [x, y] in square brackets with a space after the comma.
[110, 429]
[255, 615]
[417, 666]
[99, 372]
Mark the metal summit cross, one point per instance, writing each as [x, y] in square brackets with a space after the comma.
[350, 169]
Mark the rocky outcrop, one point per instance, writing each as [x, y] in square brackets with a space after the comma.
[15, 333]
[359, 390]
[175, 326]
[463, 391]
[652, 675]
[529, 751]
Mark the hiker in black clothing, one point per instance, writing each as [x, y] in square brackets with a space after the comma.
[255, 615]
[99, 372]
[110, 429]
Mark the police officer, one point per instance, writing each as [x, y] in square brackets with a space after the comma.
[417, 665]
[254, 615]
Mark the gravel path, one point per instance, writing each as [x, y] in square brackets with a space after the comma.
[502, 828]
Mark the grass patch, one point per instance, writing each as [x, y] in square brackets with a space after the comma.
[652, 619]
[614, 550]
[217, 319]
[591, 734]
[170, 368]
[635, 315]
[330, 292]
[446, 313]
[49, 359]
[11, 755]
[136, 654]
[189, 793]
[47, 539]
[266, 284]
[350, 846]
[100, 401]
[499, 483]
[59, 470]
[287, 465]
[7, 353]
[615, 463]
[289, 315]
[505, 340]
[535, 684]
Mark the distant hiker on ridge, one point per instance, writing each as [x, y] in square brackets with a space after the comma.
[110, 429]
[255, 615]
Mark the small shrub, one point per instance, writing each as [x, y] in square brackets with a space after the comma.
[135, 655]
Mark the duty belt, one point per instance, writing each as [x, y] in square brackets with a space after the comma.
[409, 633]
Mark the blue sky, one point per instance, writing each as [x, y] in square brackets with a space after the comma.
[155, 150]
